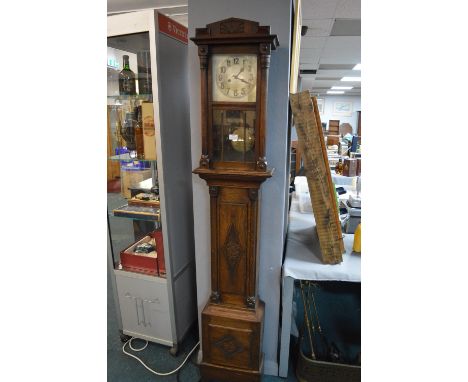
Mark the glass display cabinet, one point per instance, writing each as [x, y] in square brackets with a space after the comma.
[149, 191]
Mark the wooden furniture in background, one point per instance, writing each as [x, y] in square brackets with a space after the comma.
[322, 190]
[359, 124]
[334, 127]
[345, 128]
[333, 140]
[234, 61]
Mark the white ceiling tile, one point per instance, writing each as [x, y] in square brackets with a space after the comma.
[311, 61]
[341, 50]
[310, 53]
[326, 83]
[126, 5]
[318, 28]
[338, 73]
[318, 9]
[313, 42]
[348, 9]
[303, 65]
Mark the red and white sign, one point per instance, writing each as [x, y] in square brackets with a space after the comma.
[172, 28]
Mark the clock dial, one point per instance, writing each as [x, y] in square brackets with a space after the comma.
[234, 77]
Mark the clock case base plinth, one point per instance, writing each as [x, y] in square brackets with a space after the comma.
[232, 339]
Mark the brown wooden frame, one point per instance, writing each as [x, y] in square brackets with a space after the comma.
[232, 321]
[234, 36]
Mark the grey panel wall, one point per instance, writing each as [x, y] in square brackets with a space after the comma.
[277, 14]
[175, 146]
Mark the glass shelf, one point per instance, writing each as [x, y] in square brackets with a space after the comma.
[126, 157]
[137, 212]
[143, 97]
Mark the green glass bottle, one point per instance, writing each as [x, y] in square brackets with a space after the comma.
[127, 85]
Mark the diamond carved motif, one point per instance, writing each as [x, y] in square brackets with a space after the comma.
[232, 250]
[229, 346]
[232, 26]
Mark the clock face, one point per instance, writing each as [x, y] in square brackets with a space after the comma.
[234, 77]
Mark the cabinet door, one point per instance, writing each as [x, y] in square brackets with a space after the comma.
[144, 307]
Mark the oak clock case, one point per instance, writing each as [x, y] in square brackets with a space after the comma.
[234, 61]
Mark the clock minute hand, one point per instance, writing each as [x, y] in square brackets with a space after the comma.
[241, 79]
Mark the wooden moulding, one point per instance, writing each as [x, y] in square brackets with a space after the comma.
[232, 341]
[321, 187]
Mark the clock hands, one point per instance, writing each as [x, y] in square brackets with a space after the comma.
[241, 79]
[236, 76]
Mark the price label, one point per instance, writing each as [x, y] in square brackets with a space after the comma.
[233, 137]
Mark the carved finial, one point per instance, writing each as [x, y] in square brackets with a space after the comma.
[265, 49]
[253, 194]
[205, 161]
[214, 190]
[262, 164]
[250, 301]
[203, 54]
[215, 297]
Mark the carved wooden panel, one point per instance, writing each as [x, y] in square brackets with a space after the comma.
[231, 346]
[233, 243]
[232, 26]
[232, 337]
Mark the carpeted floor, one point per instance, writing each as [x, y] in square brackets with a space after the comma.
[122, 368]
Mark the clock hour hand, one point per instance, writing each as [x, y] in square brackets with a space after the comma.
[236, 76]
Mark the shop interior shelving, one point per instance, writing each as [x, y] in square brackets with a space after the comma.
[159, 308]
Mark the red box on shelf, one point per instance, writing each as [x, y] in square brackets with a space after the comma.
[148, 263]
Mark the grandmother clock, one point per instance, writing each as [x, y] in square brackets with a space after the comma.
[234, 62]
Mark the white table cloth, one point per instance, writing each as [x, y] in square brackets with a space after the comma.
[303, 262]
[303, 259]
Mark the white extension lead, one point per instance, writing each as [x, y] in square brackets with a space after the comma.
[129, 342]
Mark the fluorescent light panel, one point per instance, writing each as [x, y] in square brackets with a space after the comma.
[341, 87]
[335, 92]
[357, 67]
[351, 79]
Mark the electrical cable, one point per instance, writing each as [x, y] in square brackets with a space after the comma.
[129, 342]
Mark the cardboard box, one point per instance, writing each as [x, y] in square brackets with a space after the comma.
[149, 139]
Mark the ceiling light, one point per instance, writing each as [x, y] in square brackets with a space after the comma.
[357, 67]
[341, 87]
[351, 79]
[335, 92]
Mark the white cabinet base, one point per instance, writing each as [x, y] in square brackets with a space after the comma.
[144, 307]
